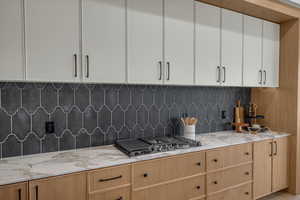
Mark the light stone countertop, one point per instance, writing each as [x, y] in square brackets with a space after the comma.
[25, 168]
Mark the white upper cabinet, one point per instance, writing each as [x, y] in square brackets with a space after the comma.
[232, 48]
[179, 42]
[207, 43]
[145, 41]
[252, 73]
[271, 38]
[52, 40]
[11, 40]
[104, 41]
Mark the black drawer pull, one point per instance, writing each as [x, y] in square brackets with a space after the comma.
[120, 198]
[215, 160]
[199, 163]
[110, 179]
[20, 194]
[247, 173]
[198, 187]
[215, 182]
[247, 153]
[246, 193]
[36, 192]
[145, 175]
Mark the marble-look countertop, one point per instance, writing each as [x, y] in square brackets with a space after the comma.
[25, 168]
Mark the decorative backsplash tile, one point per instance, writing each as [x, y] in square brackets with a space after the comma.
[92, 114]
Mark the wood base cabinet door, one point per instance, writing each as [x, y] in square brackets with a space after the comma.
[280, 164]
[262, 168]
[104, 41]
[14, 192]
[69, 187]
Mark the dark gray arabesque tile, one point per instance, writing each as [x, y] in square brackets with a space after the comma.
[159, 97]
[137, 96]
[104, 119]
[75, 120]
[90, 119]
[124, 97]
[66, 97]
[31, 145]
[130, 117]
[164, 115]
[118, 118]
[149, 131]
[21, 124]
[111, 136]
[50, 143]
[12, 147]
[148, 97]
[124, 133]
[30, 97]
[97, 138]
[59, 119]
[82, 97]
[97, 97]
[38, 122]
[5, 128]
[154, 116]
[11, 98]
[67, 141]
[111, 97]
[142, 117]
[49, 97]
[137, 132]
[83, 140]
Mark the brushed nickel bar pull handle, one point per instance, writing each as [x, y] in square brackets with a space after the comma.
[87, 66]
[36, 192]
[265, 81]
[75, 65]
[276, 148]
[219, 74]
[110, 179]
[261, 77]
[160, 70]
[224, 75]
[271, 154]
[20, 194]
[168, 71]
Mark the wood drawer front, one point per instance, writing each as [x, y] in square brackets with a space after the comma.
[215, 159]
[194, 187]
[192, 164]
[238, 154]
[109, 178]
[14, 191]
[242, 193]
[215, 182]
[117, 194]
[221, 196]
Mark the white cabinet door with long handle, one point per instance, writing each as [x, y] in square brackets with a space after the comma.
[207, 43]
[271, 38]
[145, 41]
[52, 40]
[11, 40]
[104, 41]
[179, 42]
[232, 48]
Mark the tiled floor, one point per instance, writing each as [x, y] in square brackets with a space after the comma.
[281, 196]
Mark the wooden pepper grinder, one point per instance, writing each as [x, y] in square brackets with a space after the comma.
[239, 119]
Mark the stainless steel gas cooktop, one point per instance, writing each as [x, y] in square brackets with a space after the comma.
[141, 146]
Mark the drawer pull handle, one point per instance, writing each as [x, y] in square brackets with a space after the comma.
[247, 153]
[247, 173]
[215, 182]
[199, 163]
[20, 194]
[198, 187]
[246, 193]
[120, 198]
[215, 160]
[36, 192]
[145, 175]
[110, 179]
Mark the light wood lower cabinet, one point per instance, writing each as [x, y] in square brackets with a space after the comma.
[14, 192]
[270, 166]
[69, 187]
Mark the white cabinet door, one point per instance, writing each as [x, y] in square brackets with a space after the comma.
[232, 48]
[11, 40]
[179, 42]
[271, 37]
[145, 41]
[52, 40]
[207, 41]
[252, 73]
[104, 41]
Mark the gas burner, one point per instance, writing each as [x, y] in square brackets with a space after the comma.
[141, 146]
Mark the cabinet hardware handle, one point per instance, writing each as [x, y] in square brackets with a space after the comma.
[247, 153]
[224, 75]
[199, 163]
[215, 182]
[261, 77]
[145, 175]
[36, 192]
[20, 194]
[87, 66]
[215, 160]
[120, 198]
[265, 81]
[168, 71]
[160, 70]
[75, 65]
[247, 173]
[198, 187]
[246, 193]
[110, 179]
[276, 148]
[219, 74]
[271, 154]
